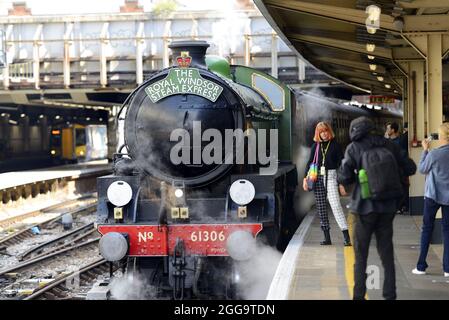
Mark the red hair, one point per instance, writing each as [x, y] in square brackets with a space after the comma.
[320, 127]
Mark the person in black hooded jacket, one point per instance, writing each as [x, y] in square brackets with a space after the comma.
[371, 216]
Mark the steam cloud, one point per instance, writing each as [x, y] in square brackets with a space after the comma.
[257, 273]
[132, 286]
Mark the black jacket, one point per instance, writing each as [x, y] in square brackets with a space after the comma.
[333, 158]
[362, 137]
[403, 142]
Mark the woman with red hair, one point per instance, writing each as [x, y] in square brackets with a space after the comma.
[326, 187]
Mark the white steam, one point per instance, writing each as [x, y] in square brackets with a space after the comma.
[256, 274]
[132, 286]
[241, 245]
[303, 200]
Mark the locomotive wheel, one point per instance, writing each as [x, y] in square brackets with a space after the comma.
[232, 288]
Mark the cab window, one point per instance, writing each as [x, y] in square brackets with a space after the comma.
[270, 90]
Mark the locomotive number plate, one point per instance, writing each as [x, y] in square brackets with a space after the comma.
[207, 239]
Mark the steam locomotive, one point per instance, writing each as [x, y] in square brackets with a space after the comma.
[207, 167]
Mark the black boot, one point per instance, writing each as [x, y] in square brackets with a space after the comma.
[347, 238]
[327, 238]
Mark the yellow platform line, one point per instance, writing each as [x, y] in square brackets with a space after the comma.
[349, 257]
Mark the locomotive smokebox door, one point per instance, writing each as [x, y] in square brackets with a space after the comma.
[167, 116]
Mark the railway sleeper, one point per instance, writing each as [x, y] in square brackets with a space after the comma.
[49, 296]
[92, 274]
[85, 277]
[59, 292]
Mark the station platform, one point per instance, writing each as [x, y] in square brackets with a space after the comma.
[310, 271]
[72, 171]
[24, 194]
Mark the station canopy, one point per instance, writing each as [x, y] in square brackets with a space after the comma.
[359, 42]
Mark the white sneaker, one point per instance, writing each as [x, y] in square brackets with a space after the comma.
[416, 271]
[446, 274]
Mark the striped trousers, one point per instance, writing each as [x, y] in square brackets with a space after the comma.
[334, 200]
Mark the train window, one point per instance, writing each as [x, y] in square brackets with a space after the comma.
[270, 90]
[80, 137]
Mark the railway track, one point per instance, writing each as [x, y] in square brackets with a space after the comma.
[64, 288]
[28, 276]
[59, 242]
[42, 253]
[26, 232]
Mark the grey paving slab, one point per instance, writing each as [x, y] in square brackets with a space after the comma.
[321, 271]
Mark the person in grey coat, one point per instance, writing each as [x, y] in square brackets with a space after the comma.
[371, 216]
[435, 165]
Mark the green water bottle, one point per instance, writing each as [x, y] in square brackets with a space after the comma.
[363, 180]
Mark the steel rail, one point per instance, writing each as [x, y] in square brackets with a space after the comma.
[63, 279]
[45, 257]
[42, 246]
[26, 233]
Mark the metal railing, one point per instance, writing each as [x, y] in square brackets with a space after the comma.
[119, 50]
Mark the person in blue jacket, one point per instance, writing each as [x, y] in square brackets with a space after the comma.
[435, 165]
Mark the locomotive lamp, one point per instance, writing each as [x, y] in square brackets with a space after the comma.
[179, 193]
[178, 189]
[119, 193]
[179, 211]
[242, 192]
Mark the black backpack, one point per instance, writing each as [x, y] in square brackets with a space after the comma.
[382, 169]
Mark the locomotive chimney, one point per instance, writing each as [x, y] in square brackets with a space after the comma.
[196, 50]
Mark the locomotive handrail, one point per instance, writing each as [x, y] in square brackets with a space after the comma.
[227, 204]
[135, 204]
[162, 209]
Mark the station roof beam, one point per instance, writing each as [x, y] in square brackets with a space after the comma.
[333, 35]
